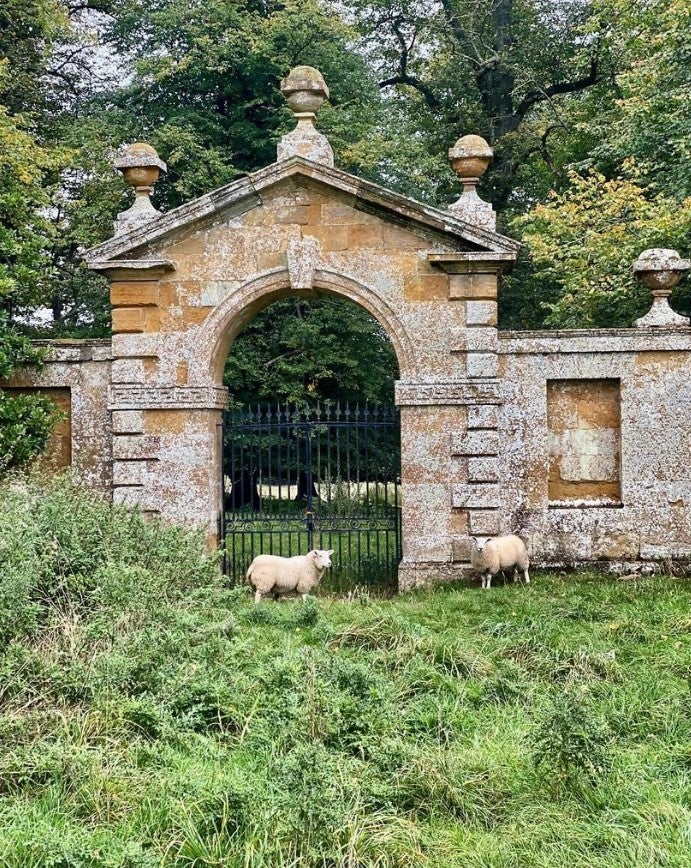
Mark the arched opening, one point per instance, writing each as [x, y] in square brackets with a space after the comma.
[311, 440]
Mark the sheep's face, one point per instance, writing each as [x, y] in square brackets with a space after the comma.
[480, 542]
[322, 558]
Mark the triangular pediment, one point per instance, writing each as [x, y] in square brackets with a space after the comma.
[248, 193]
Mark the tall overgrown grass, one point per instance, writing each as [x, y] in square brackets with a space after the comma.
[150, 716]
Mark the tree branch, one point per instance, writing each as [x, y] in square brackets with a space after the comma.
[537, 96]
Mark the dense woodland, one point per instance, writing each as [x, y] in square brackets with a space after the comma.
[587, 104]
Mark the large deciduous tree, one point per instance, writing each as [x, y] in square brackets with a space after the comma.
[631, 192]
[513, 71]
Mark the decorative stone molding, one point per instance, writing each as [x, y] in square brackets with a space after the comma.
[305, 90]
[447, 394]
[135, 397]
[661, 270]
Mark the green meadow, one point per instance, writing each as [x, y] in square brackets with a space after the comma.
[151, 716]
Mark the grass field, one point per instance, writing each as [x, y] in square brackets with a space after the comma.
[150, 716]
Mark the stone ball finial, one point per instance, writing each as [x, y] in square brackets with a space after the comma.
[304, 89]
[660, 270]
[470, 157]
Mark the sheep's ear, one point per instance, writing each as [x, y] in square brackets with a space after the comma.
[330, 552]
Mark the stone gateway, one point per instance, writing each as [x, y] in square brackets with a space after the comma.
[578, 440]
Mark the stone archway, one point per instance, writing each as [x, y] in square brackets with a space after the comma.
[210, 343]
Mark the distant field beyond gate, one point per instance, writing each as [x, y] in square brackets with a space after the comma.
[328, 477]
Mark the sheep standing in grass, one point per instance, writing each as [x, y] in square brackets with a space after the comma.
[489, 555]
[271, 574]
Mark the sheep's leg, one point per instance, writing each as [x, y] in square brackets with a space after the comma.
[257, 596]
[526, 576]
[304, 596]
[515, 575]
[487, 581]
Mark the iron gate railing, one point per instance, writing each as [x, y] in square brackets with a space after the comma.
[297, 478]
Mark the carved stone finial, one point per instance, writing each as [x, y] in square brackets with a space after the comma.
[141, 167]
[469, 158]
[305, 90]
[661, 270]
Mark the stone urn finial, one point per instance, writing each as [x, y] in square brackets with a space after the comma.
[141, 167]
[305, 90]
[469, 158]
[660, 270]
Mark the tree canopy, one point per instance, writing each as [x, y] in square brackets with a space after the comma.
[587, 105]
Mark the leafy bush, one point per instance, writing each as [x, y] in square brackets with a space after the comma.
[65, 547]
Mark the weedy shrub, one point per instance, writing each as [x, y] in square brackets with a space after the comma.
[65, 547]
[572, 743]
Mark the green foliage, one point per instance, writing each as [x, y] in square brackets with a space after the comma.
[62, 547]
[584, 241]
[301, 351]
[572, 741]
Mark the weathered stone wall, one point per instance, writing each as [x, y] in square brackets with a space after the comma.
[77, 376]
[640, 510]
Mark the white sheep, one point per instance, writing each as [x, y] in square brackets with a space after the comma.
[489, 555]
[277, 575]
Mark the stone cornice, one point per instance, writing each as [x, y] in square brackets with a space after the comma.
[475, 262]
[137, 397]
[461, 392]
[591, 341]
[133, 269]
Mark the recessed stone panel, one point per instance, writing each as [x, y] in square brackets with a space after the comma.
[583, 418]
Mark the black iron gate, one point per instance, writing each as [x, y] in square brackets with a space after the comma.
[297, 478]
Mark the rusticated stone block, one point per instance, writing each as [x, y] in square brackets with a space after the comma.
[474, 443]
[483, 416]
[425, 287]
[481, 313]
[128, 319]
[473, 286]
[476, 339]
[129, 472]
[128, 421]
[460, 550]
[484, 522]
[483, 469]
[135, 447]
[482, 364]
[134, 293]
[481, 495]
